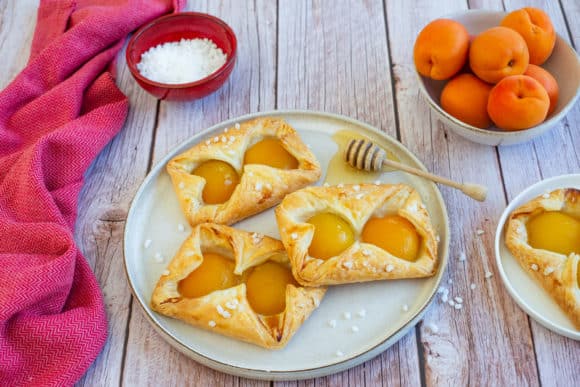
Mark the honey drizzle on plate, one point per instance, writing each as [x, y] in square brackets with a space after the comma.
[339, 171]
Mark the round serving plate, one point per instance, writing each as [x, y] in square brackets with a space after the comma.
[383, 311]
[526, 292]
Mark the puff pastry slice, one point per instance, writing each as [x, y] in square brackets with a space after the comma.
[260, 186]
[228, 311]
[557, 273]
[361, 261]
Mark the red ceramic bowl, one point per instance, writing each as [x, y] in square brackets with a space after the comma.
[184, 25]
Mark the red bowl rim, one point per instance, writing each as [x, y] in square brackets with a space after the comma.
[229, 62]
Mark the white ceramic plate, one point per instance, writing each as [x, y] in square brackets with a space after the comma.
[527, 293]
[155, 215]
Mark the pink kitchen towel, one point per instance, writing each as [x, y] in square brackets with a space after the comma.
[55, 117]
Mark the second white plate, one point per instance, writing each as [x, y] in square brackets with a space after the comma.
[527, 293]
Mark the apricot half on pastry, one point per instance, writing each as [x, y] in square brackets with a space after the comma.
[235, 283]
[544, 236]
[355, 233]
[244, 170]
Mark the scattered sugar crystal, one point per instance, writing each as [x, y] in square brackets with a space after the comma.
[377, 182]
[233, 304]
[458, 306]
[441, 289]
[339, 354]
[546, 196]
[226, 130]
[332, 323]
[294, 236]
[216, 139]
[207, 142]
[147, 243]
[458, 300]
[450, 281]
[365, 252]
[232, 138]
[534, 267]
[362, 313]
[340, 185]
[451, 302]
[222, 312]
[359, 196]
[438, 238]
[480, 232]
[488, 274]
[472, 286]
[180, 227]
[158, 257]
[224, 139]
[405, 308]
[548, 270]
[462, 257]
[211, 323]
[389, 268]
[181, 185]
[237, 126]
[326, 185]
[165, 272]
[346, 315]
[354, 328]
[189, 253]
[347, 264]
[432, 328]
[356, 187]
[258, 186]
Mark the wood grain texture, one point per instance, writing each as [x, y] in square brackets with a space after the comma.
[458, 349]
[333, 57]
[149, 359]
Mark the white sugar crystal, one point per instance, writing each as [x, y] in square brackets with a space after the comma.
[233, 304]
[449, 281]
[158, 257]
[216, 139]
[356, 187]
[458, 306]
[147, 243]
[332, 323]
[362, 313]
[226, 130]
[405, 308]
[340, 185]
[346, 315]
[548, 270]
[441, 289]
[354, 328]
[359, 196]
[459, 300]
[181, 185]
[444, 297]
[189, 253]
[294, 236]
[377, 182]
[546, 196]
[165, 272]
[339, 354]
[433, 328]
[480, 232]
[451, 302]
[347, 264]
[438, 238]
[207, 142]
[184, 61]
[462, 257]
[211, 323]
[488, 274]
[180, 227]
[237, 126]
[534, 267]
[222, 312]
[472, 286]
[326, 185]
[224, 139]
[258, 186]
[365, 252]
[232, 138]
[389, 268]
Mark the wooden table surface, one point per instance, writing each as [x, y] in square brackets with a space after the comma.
[353, 58]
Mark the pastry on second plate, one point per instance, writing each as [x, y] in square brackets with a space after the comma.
[244, 170]
[544, 236]
[354, 233]
[235, 283]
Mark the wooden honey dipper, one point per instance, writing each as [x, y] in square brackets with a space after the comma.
[366, 155]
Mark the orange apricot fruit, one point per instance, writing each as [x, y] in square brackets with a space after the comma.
[535, 26]
[518, 102]
[548, 81]
[441, 49]
[498, 52]
[465, 98]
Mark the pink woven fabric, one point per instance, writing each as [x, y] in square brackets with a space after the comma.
[55, 117]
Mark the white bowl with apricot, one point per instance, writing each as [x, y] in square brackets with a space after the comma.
[497, 78]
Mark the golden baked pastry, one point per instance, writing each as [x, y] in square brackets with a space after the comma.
[355, 233]
[235, 283]
[245, 170]
[544, 236]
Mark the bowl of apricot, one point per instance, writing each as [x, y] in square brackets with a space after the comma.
[497, 78]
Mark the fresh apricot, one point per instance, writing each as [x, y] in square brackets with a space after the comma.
[535, 26]
[548, 81]
[465, 98]
[497, 53]
[518, 102]
[441, 49]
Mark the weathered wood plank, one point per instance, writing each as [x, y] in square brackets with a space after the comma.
[458, 343]
[149, 359]
[17, 22]
[333, 57]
